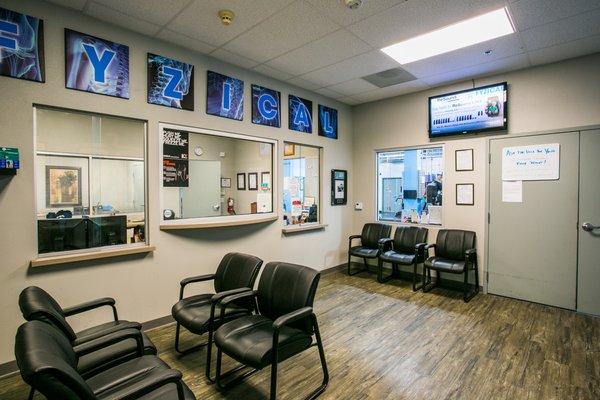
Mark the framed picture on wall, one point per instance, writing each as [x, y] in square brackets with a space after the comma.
[465, 194]
[63, 186]
[289, 149]
[339, 188]
[241, 181]
[252, 181]
[265, 180]
[225, 182]
[463, 160]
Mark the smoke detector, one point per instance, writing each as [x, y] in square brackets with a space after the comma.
[352, 4]
[226, 16]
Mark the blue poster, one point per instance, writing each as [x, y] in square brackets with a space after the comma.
[266, 106]
[170, 82]
[96, 65]
[328, 122]
[21, 46]
[224, 96]
[300, 114]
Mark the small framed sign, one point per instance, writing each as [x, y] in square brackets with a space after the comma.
[241, 181]
[225, 182]
[252, 181]
[465, 194]
[463, 160]
[339, 187]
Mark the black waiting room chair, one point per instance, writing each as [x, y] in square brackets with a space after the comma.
[455, 253]
[406, 248]
[369, 244]
[236, 273]
[282, 327]
[49, 364]
[37, 304]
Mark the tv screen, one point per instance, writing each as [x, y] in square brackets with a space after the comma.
[467, 111]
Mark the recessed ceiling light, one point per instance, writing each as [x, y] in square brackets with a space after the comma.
[462, 34]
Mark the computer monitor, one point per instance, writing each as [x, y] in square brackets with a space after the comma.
[107, 231]
[61, 235]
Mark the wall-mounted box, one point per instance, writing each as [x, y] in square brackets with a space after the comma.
[9, 161]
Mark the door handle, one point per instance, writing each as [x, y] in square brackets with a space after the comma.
[586, 226]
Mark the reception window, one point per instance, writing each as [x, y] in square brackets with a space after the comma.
[301, 184]
[409, 185]
[90, 181]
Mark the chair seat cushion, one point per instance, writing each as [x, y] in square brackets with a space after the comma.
[249, 340]
[398, 258]
[366, 252]
[103, 359]
[194, 312]
[445, 265]
[102, 330]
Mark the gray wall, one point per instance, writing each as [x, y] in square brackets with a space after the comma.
[144, 287]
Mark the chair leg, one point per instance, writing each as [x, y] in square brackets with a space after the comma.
[469, 292]
[427, 287]
[209, 356]
[380, 277]
[366, 268]
[317, 392]
[273, 390]
[219, 376]
[31, 394]
[185, 351]
[414, 285]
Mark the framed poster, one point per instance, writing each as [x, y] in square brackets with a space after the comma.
[265, 180]
[252, 181]
[63, 186]
[175, 158]
[465, 194]
[225, 182]
[241, 181]
[170, 83]
[300, 114]
[328, 122]
[266, 106]
[224, 96]
[96, 65]
[289, 149]
[21, 46]
[463, 160]
[339, 187]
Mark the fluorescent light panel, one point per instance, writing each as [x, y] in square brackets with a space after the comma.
[462, 34]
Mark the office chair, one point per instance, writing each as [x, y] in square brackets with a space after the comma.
[49, 364]
[236, 273]
[282, 327]
[455, 253]
[369, 244]
[406, 248]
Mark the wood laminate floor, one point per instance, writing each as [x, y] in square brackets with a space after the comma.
[382, 341]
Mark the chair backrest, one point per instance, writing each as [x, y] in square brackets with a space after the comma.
[48, 363]
[452, 243]
[36, 304]
[237, 270]
[407, 237]
[284, 288]
[371, 233]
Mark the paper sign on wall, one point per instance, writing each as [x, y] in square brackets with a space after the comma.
[512, 191]
[539, 162]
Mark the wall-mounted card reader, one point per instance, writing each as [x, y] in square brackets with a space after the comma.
[9, 161]
[358, 206]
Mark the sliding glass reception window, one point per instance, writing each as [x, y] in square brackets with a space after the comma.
[301, 184]
[90, 181]
[409, 185]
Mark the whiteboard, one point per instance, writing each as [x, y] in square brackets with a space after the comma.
[540, 162]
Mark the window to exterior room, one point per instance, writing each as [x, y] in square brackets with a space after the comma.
[301, 184]
[90, 181]
[409, 185]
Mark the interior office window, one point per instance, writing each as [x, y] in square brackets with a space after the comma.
[301, 184]
[410, 184]
[90, 181]
[215, 174]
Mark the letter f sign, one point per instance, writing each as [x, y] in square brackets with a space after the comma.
[99, 63]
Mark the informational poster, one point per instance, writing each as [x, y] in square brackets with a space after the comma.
[328, 122]
[224, 96]
[21, 46]
[264, 203]
[266, 106]
[538, 162]
[170, 82]
[96, 65]
[300, 114]
[512, 191]
[175, 158]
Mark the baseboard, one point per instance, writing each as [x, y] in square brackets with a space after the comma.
[9, 368]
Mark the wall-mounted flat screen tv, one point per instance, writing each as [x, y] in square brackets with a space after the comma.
[479, 109]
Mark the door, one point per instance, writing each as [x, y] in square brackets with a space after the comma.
[533, 243]
[588, 279]
[203, 196]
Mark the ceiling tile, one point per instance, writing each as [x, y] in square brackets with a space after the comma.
[352, 87]
[272, 72]
[330, 93]
[576, 48]
[303, 83]
[290, 28]
[562, 31]
[234, 59]
[494, 67]
[391, 91]
[502, 47]
[530, 13]
[201, 21]
[117, 18]
[156, 11]
[342, 15]
[76, 4]
[349, 100]
[414, 18]
[355, 67]
[185, 41]
[333, 48]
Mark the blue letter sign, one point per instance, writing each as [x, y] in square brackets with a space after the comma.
[300, 114]
[265, 106]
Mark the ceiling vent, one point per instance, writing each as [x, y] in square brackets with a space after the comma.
[390, 77]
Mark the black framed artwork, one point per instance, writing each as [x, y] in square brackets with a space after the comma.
[339, 187]
[465, 194]
[241, 181]
[463, 160]
[225, 182]
[252, 181]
